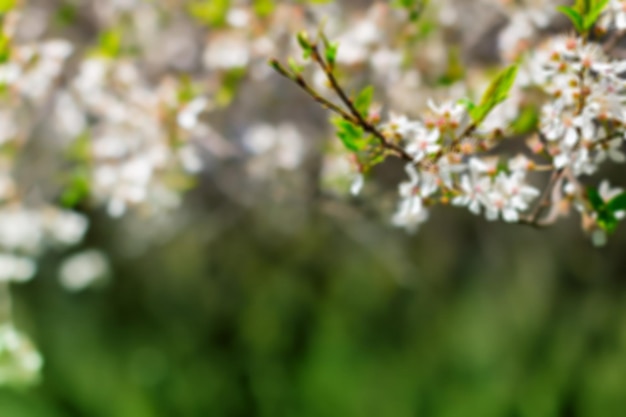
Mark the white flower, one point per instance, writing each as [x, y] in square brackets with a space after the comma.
[474, 190]
[16, 268]
[422, 142]
[612, 151]
[509, 196]
[83, 269]
[411, 211]
[188, 116]
[357, 184]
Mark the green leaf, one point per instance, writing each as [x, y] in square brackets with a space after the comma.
[573, 15]
[331, 53]
[110, 43]
[229, 86]
[595, 199]
[597, 7]
[66, 14]
[77, 188]
[527, 121]
[583, 6]
[467, 103]
[606, 219]
[294, 66]
[364, 100]
[6, 6]
[350, 135]
[455, 70]
[264, 8]
[5, 48]
[617, 203]
[414, 7]
[496, 93]
[209, 12]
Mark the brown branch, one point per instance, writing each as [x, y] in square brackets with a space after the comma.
[301, 82]
[361, 121]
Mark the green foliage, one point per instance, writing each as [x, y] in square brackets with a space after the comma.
[414, 7]
[495, 94]
[350, 135]
[264, 8]
[617, 203]
[110, 43]
[606, 210]
[6, 6]
[66, 14]
[187, 91]
[77, 183]
[455, 70]
[5, 48]
[574, 16]
[76, 189]
[527, 121]
[323, 323]
[363, 100]
[331, 53]
[584, 13]
[212, 12]
[229, 86]
[305, 44]
[294, 66]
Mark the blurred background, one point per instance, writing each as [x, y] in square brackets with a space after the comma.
[267, 290]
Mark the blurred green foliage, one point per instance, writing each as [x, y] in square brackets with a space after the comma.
[337, 318]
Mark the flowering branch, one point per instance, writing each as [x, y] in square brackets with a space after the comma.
[582, 124]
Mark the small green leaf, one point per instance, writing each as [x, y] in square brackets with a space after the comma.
[496, 93]
[5, 48]
[331, 53]
[573, 15]
[595, 199]
[606, 219]
[229, 86]
[350, 135]
[77, 188]
[597, 7]
[210, 12]
[294, 66]
[6, 6]
[526, 121]
[467, 103]
[110, 43]
[617, 203]
[583, 6]
[303, 40]
[364, 100]
[264, 8]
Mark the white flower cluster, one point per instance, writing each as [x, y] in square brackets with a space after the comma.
[25, 233]
[138, 133]
[445, 169]
[582, 124]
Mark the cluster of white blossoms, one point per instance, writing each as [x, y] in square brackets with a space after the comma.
[581, 127]
[138, 134]
[444, 168]
[583, 123]
[456, 152]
